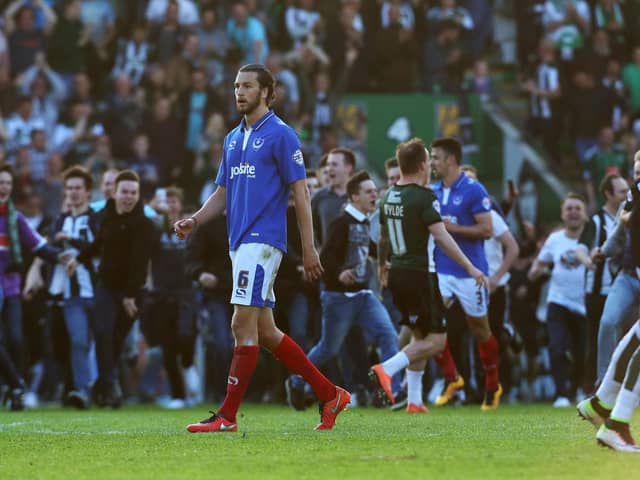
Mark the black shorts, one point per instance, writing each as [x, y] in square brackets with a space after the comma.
[417, 295]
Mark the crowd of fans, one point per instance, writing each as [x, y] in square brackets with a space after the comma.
[578, 64]
[146, 86]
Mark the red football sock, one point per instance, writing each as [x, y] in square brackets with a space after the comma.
[243, 364]
[291, 356]
[447, 365]
[489, 357]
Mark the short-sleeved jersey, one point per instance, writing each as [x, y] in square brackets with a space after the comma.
[259, 162]
[459, 203]
[407, 211]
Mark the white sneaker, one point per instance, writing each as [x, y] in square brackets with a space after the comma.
[175, 404]
[613, 440]
[353, 403]
[586, 412]
[192, 384]
[561, 402]
[30, 400]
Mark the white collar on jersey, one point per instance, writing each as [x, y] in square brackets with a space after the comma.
[355, 213]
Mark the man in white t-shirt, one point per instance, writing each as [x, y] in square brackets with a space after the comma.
[566, 309]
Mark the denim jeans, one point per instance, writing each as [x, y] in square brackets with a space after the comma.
[341, 312]
[394, 313]
[620, 311]
[566, 334]
[78, 316]
[11, 330]
[111, 327]
[215, 328]
[292, 307]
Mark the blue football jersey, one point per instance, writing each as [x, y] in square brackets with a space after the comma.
[259, 162]
[465, 198]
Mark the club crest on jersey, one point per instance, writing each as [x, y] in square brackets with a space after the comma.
[257, 144]
[486, 203]
[232, 145]
[298, 157]
[457, 199]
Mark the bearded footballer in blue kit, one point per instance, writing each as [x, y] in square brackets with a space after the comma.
[465, 207]
[261, 162]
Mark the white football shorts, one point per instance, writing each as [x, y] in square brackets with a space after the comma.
[255, 266]
[474, 299]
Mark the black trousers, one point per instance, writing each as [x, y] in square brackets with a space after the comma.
[566, 348]
[595, 306]
[170, 320]
[111, 327]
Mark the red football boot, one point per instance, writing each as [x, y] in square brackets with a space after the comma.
[383, 382]
[413, 408]
[330, 410]
[215, 423]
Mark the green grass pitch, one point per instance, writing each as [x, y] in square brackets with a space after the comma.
[514, 442]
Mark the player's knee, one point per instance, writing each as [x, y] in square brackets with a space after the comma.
[244, 332]
[269, 339]
[439, 341]
[479, 327]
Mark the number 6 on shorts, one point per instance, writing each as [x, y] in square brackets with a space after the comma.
[255, 266]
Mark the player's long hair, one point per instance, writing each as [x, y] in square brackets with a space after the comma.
[265, 79]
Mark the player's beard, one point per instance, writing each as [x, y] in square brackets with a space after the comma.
[434, 175]
[248, 107]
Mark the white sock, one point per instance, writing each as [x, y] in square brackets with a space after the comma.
[630, 392]
[625, 404]
[393, 365]
[610, 386]
[414, 386]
